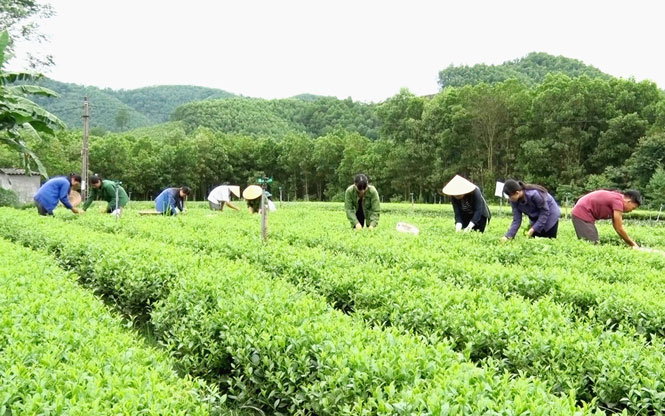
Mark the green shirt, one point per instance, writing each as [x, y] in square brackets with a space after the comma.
[107, 193]
[371, 205]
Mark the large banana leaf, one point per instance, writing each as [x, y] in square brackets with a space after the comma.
[10, 77]
[26, 153]
[30, 89]
[19, 110]
[19, 116]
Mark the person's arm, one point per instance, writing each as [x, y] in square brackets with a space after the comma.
[375, 208]
[617, 223]
[64, 197]
[348, 206]
[112, 190]
[543, 213]
[457, 209]
[230, 205]
[517, 222]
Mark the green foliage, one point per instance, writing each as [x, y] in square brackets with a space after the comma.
[8, 198]
[568, 134]
[655, 190]
[223, 327]
[20, 18]
[64, 353]
[648, 155]
[277, 118]
[531, 69]
[21, 118]
[142, 107]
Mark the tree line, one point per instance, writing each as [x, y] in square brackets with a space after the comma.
[568, 134]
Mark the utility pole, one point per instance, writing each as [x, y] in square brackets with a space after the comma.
[84, 150]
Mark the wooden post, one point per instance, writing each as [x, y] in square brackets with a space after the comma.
[84, 150]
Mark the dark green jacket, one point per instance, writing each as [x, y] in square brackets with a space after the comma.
[107, 193]
[371, 205]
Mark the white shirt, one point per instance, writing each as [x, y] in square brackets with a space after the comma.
[220, 194]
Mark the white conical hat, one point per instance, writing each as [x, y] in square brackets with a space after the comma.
[458, 186]
[235, 190]
[252, 192]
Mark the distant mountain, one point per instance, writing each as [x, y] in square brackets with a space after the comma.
[137, 108]
[313, 115]
[157, 103]
[532, 69]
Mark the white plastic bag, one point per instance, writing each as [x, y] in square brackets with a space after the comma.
[407, 228]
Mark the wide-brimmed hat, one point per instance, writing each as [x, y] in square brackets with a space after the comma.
[458, 186]
[235, 190]
[74, 198]
[252, 192]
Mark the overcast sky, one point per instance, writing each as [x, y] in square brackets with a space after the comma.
[366, 50]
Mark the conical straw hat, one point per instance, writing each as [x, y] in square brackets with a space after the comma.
[235, 190]
[74, 198]
[252, 192]
[458, 186]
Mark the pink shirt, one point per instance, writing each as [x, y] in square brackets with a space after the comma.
[598, 205]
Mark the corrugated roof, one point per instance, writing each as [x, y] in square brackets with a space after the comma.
[14, 171]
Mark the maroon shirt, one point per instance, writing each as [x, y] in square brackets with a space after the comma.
[598, 205]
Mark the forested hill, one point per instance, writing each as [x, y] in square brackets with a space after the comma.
[117, 110]
[122, 110]
[531, 70]
[313, 115]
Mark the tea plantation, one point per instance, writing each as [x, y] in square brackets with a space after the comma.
[194, 314]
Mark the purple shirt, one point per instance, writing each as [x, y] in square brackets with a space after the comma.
[543, 212]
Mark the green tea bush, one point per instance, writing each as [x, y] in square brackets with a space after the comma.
[63, 352]
[8, 198]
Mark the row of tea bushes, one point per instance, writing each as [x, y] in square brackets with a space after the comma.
[540, 339]
[63, 352]
[274, 346]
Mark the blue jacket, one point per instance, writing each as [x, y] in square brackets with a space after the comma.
[168, 201]
[54, 190]
[540, 207]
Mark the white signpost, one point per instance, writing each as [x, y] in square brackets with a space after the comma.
[498, 192]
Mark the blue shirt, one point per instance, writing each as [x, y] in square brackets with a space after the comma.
[54, 190]
[169, 200]
[543, 212]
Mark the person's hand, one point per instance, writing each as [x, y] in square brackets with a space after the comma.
[76, 210]
[530, 232]
[371, 227]
[469, 227]
[458, 227]
[636, 247]
[504, 239]
[359, 227]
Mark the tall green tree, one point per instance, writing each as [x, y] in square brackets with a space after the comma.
[20, 18]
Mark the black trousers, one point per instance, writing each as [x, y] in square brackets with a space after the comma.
[360, 214]
[41, 210]
[476, 227]
[551, 233]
